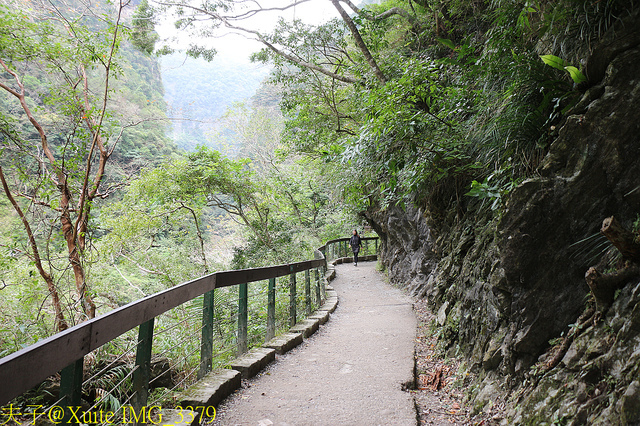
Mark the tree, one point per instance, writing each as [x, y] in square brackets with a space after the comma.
[229, 13]
[389, 90]
[55, 156]
[143, 34]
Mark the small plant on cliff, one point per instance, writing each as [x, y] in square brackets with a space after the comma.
[558, 63]
[494, 188]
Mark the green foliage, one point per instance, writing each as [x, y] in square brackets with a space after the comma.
[561, 64]
[143, 35]
[466, 107]
[493, 188]
[50, 60]
[445, 116]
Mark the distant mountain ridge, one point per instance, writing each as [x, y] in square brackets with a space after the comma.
[199, 92]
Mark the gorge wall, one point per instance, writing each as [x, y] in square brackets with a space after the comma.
[505, 285]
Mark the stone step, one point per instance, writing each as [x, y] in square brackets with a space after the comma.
[210, 390]
[253, 361]
[322, 316]
[284, 342]
[330, 305]
[331, 294]
[306, 327]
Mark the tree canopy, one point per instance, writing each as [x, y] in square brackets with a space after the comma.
[405, 95]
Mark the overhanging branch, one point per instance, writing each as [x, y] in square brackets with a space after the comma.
[226, 20]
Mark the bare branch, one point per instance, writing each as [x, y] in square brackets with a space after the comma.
[352, 6]
[384, 15]
[23, 103]
[396, 11]
[128, 282]
[38, 202]
[199, 234]
[309, 65]
[253, 12]
[142, 268]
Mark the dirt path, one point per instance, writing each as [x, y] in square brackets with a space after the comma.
[351, 372]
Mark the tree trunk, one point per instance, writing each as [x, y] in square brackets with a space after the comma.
[604, 286]
[200, 238]
[60, 321]
[359, 41]
[68, 229]
[88, 307]
[621, 238]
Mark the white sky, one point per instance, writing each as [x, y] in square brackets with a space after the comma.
[237, 47]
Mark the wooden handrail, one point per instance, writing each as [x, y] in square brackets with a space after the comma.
[337, 240]
[28, 367]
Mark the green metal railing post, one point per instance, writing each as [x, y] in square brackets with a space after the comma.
[142, 374]
[71, 387]
[271, 310]
[318, 300]
[292, 300]
[206, 344]
[376, 240]
[307, 292]
[243, 301]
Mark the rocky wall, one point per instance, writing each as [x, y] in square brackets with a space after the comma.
[505, 286]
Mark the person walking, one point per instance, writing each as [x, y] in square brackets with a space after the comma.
[355, 243]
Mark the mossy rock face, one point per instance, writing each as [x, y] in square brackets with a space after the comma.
[629, 405]
[493, 354]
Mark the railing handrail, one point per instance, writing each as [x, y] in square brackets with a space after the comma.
[347, 239]
[47, 357]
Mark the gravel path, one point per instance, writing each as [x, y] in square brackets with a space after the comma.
[351, 372]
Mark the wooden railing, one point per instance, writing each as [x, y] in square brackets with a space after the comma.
[64, 352]
[340, 247]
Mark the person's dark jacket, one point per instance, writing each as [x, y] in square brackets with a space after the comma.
[355, 243]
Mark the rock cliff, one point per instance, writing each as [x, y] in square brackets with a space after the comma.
[505, 287]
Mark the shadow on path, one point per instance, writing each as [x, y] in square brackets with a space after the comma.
[351, 372]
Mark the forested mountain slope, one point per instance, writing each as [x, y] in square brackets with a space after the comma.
[81, 112]
[99, 207]
[199, 93]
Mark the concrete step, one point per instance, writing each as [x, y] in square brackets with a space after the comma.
[306, 327]
[329, 305]
[253, 361]
[211, 389]
[322, 316]
[284, 342]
